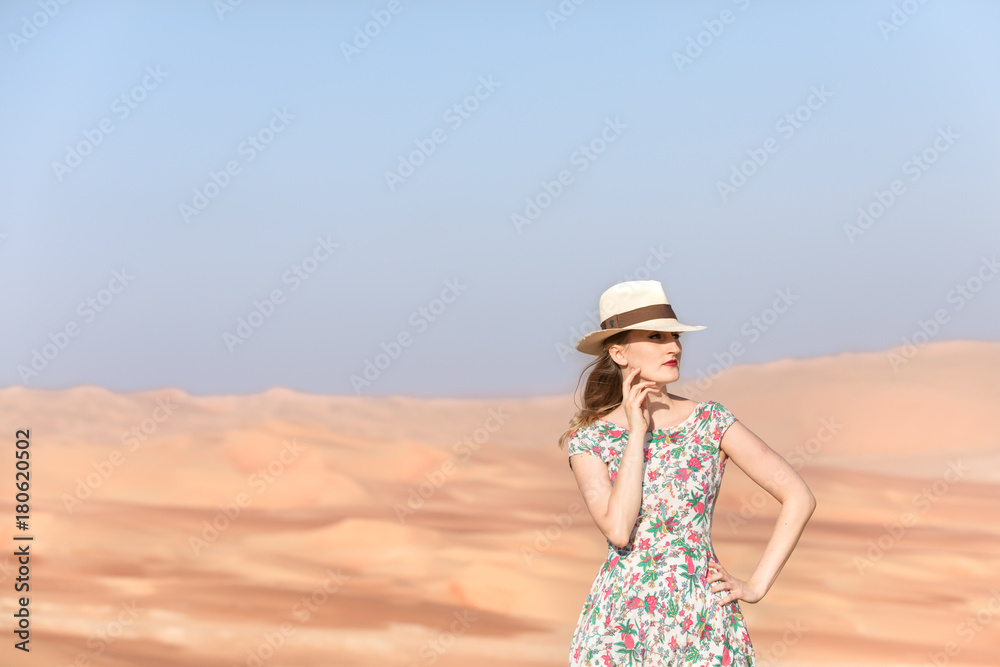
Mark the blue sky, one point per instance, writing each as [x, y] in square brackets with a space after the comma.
[818, 110]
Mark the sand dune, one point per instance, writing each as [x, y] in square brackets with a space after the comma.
[291, 529]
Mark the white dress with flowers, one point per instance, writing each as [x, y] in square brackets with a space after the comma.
[650, 604]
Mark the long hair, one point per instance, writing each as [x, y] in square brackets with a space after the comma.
[603, 390]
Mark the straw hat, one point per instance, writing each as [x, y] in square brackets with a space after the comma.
[636, 304]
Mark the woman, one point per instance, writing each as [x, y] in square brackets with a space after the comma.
[662, 598]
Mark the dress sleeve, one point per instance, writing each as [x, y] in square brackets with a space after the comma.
[723, 418]
[583, 442]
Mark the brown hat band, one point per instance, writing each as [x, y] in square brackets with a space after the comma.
[630, 317]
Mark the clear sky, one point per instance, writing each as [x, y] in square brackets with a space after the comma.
[170, 167]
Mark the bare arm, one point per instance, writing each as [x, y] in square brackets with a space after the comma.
[614, 507]
[774, 474]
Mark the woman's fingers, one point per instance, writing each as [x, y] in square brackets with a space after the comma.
[718, 573]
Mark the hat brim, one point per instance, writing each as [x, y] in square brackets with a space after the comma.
[592, 342]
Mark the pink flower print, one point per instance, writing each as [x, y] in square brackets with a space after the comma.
[634, 603]
[682, 474]
[653, 475]
[700, 508]
[694, 538]
[651, 603]
[686, 625]
[695, 463]
[673, 643]
[643, 543]
[607, 659]
[690, 566]
[615, 433]
[629, 642]
[726, 659]
[614, 475]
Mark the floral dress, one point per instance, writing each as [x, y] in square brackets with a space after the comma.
[650, 604]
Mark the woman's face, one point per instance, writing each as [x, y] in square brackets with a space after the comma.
[652, 352]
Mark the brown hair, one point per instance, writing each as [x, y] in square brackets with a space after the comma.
[603, 390]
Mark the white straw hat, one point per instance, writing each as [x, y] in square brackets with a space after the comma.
[636, 304]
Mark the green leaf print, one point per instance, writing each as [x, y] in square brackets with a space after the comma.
[662, 524]
[701, 626]
[629, 646]
[672, 606]
[650, 567]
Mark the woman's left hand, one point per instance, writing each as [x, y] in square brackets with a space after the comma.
[719, 580]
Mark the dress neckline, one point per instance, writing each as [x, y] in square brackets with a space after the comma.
[660, 430]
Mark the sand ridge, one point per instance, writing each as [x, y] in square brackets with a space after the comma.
[405, 531]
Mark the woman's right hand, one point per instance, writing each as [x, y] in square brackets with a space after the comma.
[634, 392]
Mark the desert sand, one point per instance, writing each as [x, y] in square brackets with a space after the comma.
[290, 529]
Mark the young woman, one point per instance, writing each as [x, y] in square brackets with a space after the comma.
[649, 464]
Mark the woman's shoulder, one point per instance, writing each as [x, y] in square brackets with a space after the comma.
[595, 430]
[589, 439]
[717, 412]
[702, 407]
